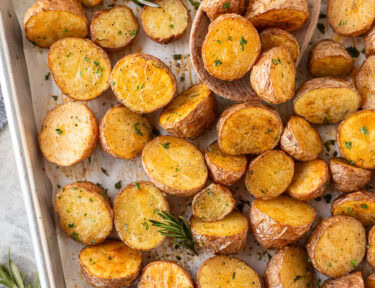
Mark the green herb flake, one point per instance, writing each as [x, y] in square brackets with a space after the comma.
[348, 210]
[342, 23]
[90, 199]
[70, 225]
[104, 171]
[75, 236]
[137, 186]
[354, 263]
[118, 185]
[364, 206]
[165, 145]
[233, 275]
[243, 42]
[137, 130]
[46, 77]
[54, 97]
[59, 131]
[196, 4]
[364, 130]
[132, 33]
[177, 56]
[226, 5]
[119, 32]
[145, 224]
[217, 62]
[348, 145]
[297, 278]
[274, 61]
[325, 120]
[87, 59]
[171, 26]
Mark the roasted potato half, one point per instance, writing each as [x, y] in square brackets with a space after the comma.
[289, 268]
[329, 58]
[273, 76]
[164, 274]
[213, 203]
[80, 68]
[346, 177]
[110, 264]
[280, 221]
[370, 281]
[351, 17]
[326, 100]
[370, 42]
[269, 174]
[353, 280]
[365, 83]
[337, 245]
[113, 29]
[143, 83]
[166, 23]
[248, 129]
[371, 249]
[47, 21]
[360, 205]
[289, 15]
[215, 8]
[191, 113]
[300, 140]
[231, 47]
[223, 168]
[123, 133]
[226, 272]
[226, 236]
[276, 37]
[91, 3]
[310, 180]
[69, 134]
[133, 208]
[174, 165]
[84, 212]
[355, 139]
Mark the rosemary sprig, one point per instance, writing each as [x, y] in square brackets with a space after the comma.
[177, 228]
[142, 3]
[11, 277]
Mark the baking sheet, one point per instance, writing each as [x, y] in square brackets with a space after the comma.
[44, 92]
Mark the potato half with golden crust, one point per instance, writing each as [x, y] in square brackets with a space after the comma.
[280, 221]
[174, 165]
[213, 203]
[248, 129]
[300, 140]
[133, 207]
[355, 139]
[80, 68]
[123, 133]
[110, 264]
[223, 168]
[360, 205]
[351, 17]
[273, 76]
[191, 113]
[269, 174]
[371, 249]
[226, 236]
[329, 58]
[50, 20]
[370, 42]
[346, 177]
[326, 100]
[370, 281]
[365, 83]
[226, 272]
[84, 212]
[113, 29]
[353, 280]
[143, 83]
[289, 15]
[310, 180]
[166, 23]
[91, 3]
[289, 268]
[69, 134]
[215, 8]
[231, 47]
[276, 37]
[165, 274]
[337, 245]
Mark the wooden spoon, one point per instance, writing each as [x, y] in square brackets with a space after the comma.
[240, 90]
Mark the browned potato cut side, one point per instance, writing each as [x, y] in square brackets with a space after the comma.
[370, 281]
[273, 76]
[226, 272]
[248, 129]
[215, 8]
[166, 23]
[280, 221]
[80, 68]
[226, 236]
[276, 37]
[47, 21]
[191, 113]
[353, 280]
[365, 83]
[91, 3]
[164, 274]
[143, 83]
[269, 174]
[370, 42]
[213, 203]
[134, 207]
[371, 249]
[310, 180]
[110, 264]
[84, 212]
[289, 268]
[337, 245]
[231, 47]
[69, 134]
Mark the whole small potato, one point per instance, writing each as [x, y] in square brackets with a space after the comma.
[215, 8]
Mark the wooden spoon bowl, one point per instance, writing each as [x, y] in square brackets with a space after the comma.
[240, 90]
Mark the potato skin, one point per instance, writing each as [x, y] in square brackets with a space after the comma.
[353, 280]
[346, 177]
[365, 81]
[215, 8]
[91, 3]
[370, 250]
[370, 42]
[370, 281]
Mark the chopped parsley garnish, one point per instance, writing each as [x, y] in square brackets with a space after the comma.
[68, 54]
[90, 199]
[137, 129]
[364, 130]
[342, 23]
[75, 236]
[217, 62]
[156, 66]
[165, 145]
[54, 97]
[348, 145]
[119, 32]
[146, 225]
[171, 26]
[59, 131]
[87, 59]
[118, 185]
[297, 278]
[226, 5]
[210, 149]
[269, 130]
[96, 63]
[46, 77]
[243, 42]
[274, 61]
[137, 186]
[132, 33]
[364, 206]
[328, 143]
[70, 225]
[325, 121]
[104, 171]
[233, 275]
[354, 263]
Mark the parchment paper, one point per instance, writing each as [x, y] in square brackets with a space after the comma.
[43, 89]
